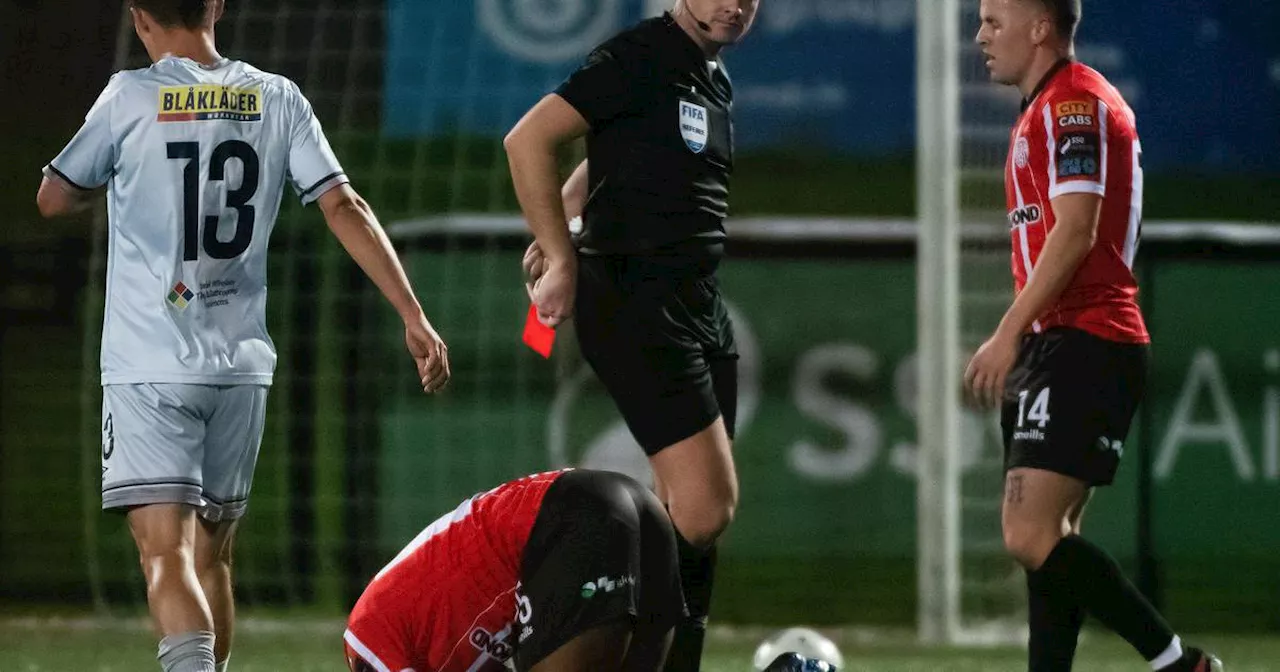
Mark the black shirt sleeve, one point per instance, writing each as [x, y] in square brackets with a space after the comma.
[604, 88]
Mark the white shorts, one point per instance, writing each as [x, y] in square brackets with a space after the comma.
[170, 443]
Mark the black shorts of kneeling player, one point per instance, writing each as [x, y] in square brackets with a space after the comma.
[1069, 402]
[657, 333]
[602, 550]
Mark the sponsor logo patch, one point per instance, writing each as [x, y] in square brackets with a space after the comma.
[1075, 107]
[209, 102]
[217, 293]
[1076, 114]
[1081, 120]
[1031, 434]
[1079, 156]
[1112, 445]
[180, 296]
[495, 646]
[1027, 214]
[606, 584]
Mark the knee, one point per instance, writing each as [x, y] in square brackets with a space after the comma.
[159, 561]
[214, 542]
[1030, 545]
[214, 557]
[723, 508]
[215, 560]
[702, 525]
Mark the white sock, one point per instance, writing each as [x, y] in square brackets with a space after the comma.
[1170, 656]
[187, 652]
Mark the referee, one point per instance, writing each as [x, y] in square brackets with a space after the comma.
[655, 104]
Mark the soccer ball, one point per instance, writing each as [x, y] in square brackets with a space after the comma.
[806, 642]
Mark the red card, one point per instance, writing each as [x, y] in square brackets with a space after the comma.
[537, 335]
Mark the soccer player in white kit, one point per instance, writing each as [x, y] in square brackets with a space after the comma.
[195, 152]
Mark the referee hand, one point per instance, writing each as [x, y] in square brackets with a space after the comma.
[553, 292]
[429, 353]
[984, 378]
[533, 265]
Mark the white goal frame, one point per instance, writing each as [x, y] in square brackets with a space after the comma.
[938, 318]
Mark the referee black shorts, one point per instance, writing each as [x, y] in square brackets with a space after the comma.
[657, 333]
[1069, 401]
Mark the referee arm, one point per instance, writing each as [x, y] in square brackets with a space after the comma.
[531, 152]
[1074, 231]
[574, 193]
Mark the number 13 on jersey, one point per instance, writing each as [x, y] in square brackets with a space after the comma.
[237, 198]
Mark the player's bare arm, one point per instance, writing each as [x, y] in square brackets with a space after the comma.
[1073, 235]
[531, 152]
[1065, 248]
[58, 197]
[353, 223]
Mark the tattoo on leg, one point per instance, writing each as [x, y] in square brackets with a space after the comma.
[1013, 489]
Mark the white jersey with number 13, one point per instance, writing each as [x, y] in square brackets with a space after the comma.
[195, 159]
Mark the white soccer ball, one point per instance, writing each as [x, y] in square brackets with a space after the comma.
[804, 641]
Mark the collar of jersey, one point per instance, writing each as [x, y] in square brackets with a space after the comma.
[221, 63]
[1044, 81]
[690, 47]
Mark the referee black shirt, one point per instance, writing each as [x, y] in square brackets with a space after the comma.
[660, 149]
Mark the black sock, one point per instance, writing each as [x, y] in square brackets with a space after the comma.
[1094, 579]
[697, 573]
[1055, 621]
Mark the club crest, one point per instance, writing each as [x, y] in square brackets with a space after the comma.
[1021, 152]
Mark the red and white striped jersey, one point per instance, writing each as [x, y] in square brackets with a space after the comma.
[448, 602]
[1077, 135]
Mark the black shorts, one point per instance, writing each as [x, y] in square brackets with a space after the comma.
[657, 333]
[602, 550]
[1069, 401]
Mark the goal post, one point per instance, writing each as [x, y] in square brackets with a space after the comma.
[938, 324]
[970, 591]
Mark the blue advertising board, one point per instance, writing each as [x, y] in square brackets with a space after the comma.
[839, 75]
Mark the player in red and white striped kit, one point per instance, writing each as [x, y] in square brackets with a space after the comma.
[566, 571]
[1067, 365]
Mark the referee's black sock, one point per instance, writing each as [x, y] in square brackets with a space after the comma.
[697, 573]
[1055, 621]
[1093, 578]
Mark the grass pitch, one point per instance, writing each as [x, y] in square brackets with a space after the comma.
[262, 645]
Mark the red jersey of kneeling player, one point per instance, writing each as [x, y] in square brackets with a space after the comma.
[1076, 134]
[449, 601]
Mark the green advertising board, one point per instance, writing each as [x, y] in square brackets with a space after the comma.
[356, 460]
[1215, 432]
[825, 445]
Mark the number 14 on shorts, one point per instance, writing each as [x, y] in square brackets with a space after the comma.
[1037, 415]
[1039, 408]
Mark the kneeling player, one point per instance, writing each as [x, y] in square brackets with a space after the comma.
[565, 571]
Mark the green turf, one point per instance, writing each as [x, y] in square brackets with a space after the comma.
[272, 646]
